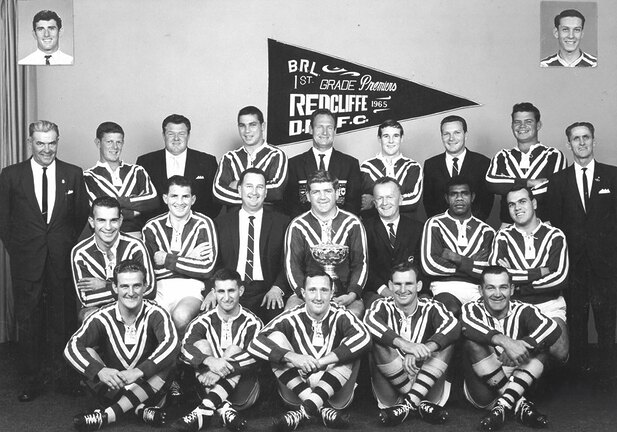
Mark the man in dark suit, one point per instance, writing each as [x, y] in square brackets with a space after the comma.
[44, 208]
[251, 241]
[392, 239]
[177, 159]
[583, 204]
[324, 157]
[456, 160]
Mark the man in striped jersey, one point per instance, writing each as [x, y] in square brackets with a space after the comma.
[536, 255]
[505, 351]
[529, 164]
[390, 162]
[568, 31]
[126, 351]
[314, 350]
[94, 259]
[254, 153]
[325, 223]
[412, 348]
[216, 345]
[455, 248]
[129, 184]
[183, 247]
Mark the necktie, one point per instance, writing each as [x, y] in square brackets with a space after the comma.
[47, 57]
[248, 269]
[391, 234]
[44, 195]
[322, 165]
[585, 189]
[454, 167]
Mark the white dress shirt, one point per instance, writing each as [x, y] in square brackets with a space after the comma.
[37, 174]
[450, 161]
[175, 164]
[578, 170]
[243, 217]
[326, 159]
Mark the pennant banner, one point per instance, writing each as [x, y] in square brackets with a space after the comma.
[301, 81]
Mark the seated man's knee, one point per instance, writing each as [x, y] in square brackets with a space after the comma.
[293, 301]
[450, 302]
[356, 307]
[383, 354]
[475, 350]
[280, 339]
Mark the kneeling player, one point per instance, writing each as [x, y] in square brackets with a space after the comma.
[505, 351]
[126, 351]
[215, 344]
[315, 351]
[412, 347]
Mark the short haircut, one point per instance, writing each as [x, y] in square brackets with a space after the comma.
[251, 110]
[107, 202]
[322, 111]
[129, 266]
[452, 119]
[459, 180]
[43, 126]
[177, 119]
[526, 107]
[495, 270]
[108, 127]
[403, 267]
[519, 188]
[251, 170]
[390, 123]
[321, 176]
[318, 272]
[46, 15]
[568, 13]
[179, 180]
[225, 274]
[386, 180]
[580, 124]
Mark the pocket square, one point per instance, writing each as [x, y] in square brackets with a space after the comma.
[199, 178]
[604, 191]
[70, 191]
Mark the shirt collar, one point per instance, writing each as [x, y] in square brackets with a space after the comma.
[590, 167]
[106, 165]
[246, 214]
[459, 158]
[113, 247]
[119, 315]
[36, 166]
[395, 222]
[182, 223]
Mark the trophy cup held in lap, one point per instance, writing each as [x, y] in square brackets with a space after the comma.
[329, 255]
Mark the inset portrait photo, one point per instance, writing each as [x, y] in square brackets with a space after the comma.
[45, 32]
[569, 34]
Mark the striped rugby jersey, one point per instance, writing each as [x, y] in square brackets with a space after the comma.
[87, 260]
[523, 322]
[271, 160]
[585, 60]
[430, 322]
[407, 172]
[339, 332]
[306, 231]
[472, 239]
[527, 254]
[239, 331]
[152, 348]
[198, 229]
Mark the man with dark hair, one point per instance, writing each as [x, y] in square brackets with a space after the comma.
[95, 257]
[177, 159]
[583, 203]
[391, 237]
[251, 240]
[255, 152]
[314, 350]
[325, 224]
[569, 26]
[390, 162]
[505, 351]
[456, 247]
[43, 209]
[47, 29]
[126, 351]
[216, 345]
[412, 347]
[129, 184]
[528, 164]
[322, 156]
[456, 160]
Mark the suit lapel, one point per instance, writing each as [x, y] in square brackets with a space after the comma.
[235, 235]
[264, 233]
[443, 167]
[309, 162]
[60, 190]
[596, 186]
[189, 166]
[382, 233]
[28, 185]
[574, 194]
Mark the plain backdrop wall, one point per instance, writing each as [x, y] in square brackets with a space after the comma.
[137, 61]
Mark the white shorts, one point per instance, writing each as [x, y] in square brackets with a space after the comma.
[555, 308]
[169, 292]
[463, 291]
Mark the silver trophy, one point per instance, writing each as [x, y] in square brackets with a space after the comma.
[329, 255]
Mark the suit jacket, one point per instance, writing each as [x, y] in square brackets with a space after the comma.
[344, 167]
[382, 257]
[594, 232]
[200, 168]
[436, 176]
[27, 237]
[271, 241]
